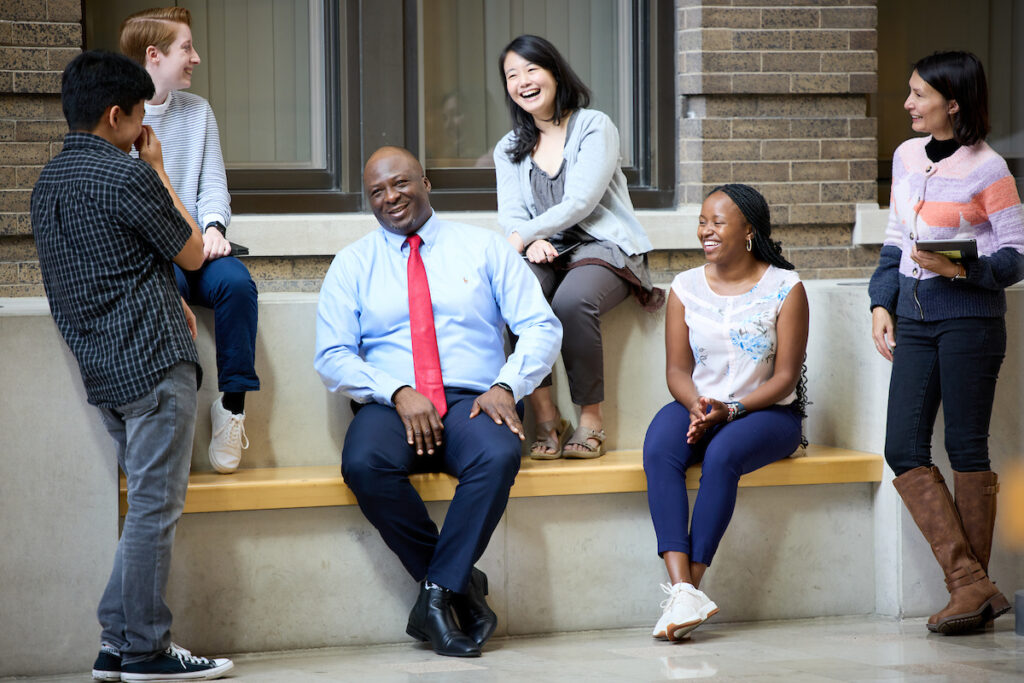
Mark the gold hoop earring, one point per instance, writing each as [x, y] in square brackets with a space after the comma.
[750, 244]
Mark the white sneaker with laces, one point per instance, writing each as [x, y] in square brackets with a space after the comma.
[708, 608]
[688, 608]
[228, 438]
[659, 628]
[705, 609]
[680, 613]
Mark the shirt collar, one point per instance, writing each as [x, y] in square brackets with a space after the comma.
[77, 139]
[428, 233]
[159, 109]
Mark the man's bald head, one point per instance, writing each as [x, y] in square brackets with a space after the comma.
[388, 151]
[398, 191]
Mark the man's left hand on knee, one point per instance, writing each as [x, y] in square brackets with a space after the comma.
[499, 404]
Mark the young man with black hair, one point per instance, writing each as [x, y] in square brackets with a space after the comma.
[107, 228]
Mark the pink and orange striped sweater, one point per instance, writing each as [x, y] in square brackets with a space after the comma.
[969, 194]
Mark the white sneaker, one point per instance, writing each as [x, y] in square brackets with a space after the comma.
[228, 438]
[679, 610]
[708, 608]
[685, 609]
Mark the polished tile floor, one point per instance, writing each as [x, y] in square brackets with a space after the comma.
[828, 649]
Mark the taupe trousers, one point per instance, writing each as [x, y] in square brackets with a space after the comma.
[579, 296]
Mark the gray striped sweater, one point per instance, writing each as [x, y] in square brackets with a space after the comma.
[188, 135]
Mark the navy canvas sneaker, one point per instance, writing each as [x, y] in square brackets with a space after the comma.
[176, 664]
[107, 666]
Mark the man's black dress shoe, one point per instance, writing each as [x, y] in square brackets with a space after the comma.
[475, 616]
[431, 620]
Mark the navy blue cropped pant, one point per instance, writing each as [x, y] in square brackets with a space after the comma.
[726, 452]
[225, 285]
[376, 462]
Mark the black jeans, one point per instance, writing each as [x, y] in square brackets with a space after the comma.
[953, 361]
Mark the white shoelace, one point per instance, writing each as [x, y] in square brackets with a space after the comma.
[176, 649]
[672, 596]
[186, 657]
[236, 431]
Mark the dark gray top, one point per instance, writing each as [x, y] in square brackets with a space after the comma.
[547, 192]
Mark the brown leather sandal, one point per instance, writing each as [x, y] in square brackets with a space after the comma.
[544, 441]
[579, 438]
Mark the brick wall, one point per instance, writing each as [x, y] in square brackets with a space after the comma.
[773, 94]
[37, 40]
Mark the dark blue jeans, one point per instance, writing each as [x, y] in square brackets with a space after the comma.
[225, 285]
[727, 451]
[376, 462]
[955, 362]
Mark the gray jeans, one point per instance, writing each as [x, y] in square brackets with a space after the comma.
[579, 297]
[154, 449]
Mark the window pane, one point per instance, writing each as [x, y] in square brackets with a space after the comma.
[262, 72]
[463, 99]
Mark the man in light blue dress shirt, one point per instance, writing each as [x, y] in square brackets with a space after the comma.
[478, 285]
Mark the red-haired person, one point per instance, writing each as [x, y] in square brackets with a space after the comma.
[161, 41]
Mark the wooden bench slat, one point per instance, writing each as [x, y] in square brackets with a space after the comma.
[277, 488]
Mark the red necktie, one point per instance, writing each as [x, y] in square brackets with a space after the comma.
[426, 361]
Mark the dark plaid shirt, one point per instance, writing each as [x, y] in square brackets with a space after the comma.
[106, 231]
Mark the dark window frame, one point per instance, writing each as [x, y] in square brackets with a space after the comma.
[320, 190]
[358, 121]
[651, 182]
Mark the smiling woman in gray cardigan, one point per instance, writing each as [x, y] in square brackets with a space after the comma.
[563, 200]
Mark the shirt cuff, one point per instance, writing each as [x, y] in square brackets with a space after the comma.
[514, 381]
[386, 390]
[210, 218]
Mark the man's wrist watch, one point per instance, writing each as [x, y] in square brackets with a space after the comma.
[961, 272]
[216, 224]
[502, 385]
[395, 393]
[736, 410]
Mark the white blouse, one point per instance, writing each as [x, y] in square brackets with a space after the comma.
[733, 338]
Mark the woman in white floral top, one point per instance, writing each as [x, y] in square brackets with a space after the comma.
[735, 338]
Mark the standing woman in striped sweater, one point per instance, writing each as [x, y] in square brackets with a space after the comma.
[161, 41]
[949, 337]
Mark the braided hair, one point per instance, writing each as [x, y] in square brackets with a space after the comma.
[754, 208]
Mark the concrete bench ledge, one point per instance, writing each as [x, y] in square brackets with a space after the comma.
[277, 488]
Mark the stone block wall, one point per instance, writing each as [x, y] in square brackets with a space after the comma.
[37, 40]
[774, 94]
[771, 93]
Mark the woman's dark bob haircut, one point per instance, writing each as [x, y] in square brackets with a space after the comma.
[571, 94]
[959, 76]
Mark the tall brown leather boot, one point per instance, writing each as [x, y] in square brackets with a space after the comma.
[972, 597]
[976, 502]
